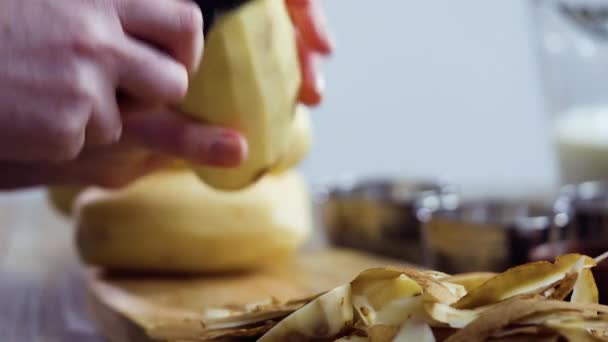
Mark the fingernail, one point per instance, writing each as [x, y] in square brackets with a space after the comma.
[227, 150]
[198, 57]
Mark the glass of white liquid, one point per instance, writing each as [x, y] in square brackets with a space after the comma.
[573, 41]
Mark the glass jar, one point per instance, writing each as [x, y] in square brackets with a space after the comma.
[573, 41]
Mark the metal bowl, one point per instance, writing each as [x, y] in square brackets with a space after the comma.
[491, 234]
[589, 203]
[384, 216]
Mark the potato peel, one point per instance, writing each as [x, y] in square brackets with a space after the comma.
[325, 317]
[521, 304]
[396, 312]
[576, 335]
[519, 280]
[470, 281]
[454, 318]
[580, 330]
[524, 330]
[431, 287]
[562, 289]
[382, 333]
[585, 290]
[504, 314]
[414, 330]
[352, 338]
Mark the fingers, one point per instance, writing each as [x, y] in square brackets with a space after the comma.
[110, 167]
[175, 27]
[309, 21]
[105, 125]
[311, 88]
[149, 75]
[115, 180]
[164, 42]
[174, 134]
[312, 39]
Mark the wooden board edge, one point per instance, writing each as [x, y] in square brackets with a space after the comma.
[112, 325]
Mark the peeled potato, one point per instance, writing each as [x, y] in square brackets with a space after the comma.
[299, 143]
[249, 80]
[170, 221]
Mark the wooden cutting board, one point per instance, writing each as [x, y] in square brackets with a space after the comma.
[130, 308]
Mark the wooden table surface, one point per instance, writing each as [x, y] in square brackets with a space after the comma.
[41, 282]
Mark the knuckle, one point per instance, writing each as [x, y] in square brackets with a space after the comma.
[72, 77]
[77, 80]
[185, 138]
[109, 132]
[86, 37]
[67, 138]
[92, 38]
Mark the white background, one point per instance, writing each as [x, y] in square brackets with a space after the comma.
[433, 88]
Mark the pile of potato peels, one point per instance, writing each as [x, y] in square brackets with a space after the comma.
[545, 301]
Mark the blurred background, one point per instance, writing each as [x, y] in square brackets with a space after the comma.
[434, 88]
[501, 105]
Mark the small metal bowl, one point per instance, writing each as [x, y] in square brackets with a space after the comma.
[491, 234]
[383, 216]
[589, 203]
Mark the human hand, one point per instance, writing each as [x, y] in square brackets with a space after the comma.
[155, 140]
[62, 63]
[151, 140]
[313, 39]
